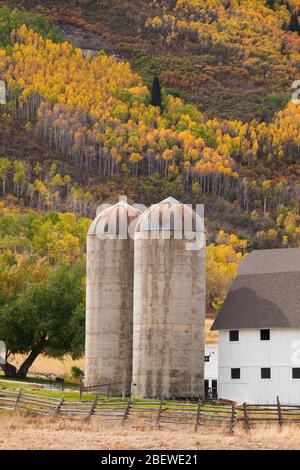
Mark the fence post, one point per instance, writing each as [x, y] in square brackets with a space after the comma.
[58, 408]
[233, 418]
[124, 387]
[80, 391]
[159, 413]
[93, 407]
[127, 409]
[18, 399]
[280, 420]
[246, 417]
[198, 415]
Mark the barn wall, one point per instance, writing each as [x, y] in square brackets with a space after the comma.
[250, 354]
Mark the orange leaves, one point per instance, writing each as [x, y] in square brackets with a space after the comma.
[60, 71]
[4, 60]
[116, 156]
[212, 162]
[222, 266]
[168, 155]
[135, 158]
[97, 112]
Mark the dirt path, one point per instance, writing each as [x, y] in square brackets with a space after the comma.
[88, 41]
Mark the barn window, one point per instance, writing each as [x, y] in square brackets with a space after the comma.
[265, 335]
[207, 358]
[234, 335]
[296, 373]
[265, 373]
[235, 373]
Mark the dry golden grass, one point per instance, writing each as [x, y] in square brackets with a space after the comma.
[31, 433]
[211, 337]
[46, 364]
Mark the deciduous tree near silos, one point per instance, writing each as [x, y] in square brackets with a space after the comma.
[109, 298]
[169, 304]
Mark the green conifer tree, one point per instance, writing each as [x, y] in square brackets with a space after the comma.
[294, 25]
[156, 96]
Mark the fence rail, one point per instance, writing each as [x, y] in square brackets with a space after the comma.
[160, 413]
[108, 389]
[276, 413]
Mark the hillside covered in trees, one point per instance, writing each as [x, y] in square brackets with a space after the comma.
[235, 59]
[199, 107]
[95, 115]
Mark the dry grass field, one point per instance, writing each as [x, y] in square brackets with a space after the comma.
[211, 337]
[46, 364]
[31, 433]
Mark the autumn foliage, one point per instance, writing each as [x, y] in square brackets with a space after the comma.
[96, 112]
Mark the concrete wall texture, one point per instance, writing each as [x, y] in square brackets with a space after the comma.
[169, 313]
[109, 307]
[168, 344]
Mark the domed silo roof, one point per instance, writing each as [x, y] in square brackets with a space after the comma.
[114, 220]
[170, 215]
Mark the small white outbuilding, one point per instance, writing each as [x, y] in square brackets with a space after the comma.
[259, 330]
[211, 371]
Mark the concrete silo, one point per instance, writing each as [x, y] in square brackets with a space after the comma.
[109, 297]
[169, 303]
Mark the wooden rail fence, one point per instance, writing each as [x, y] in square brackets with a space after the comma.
[160, 413]
[277, 413]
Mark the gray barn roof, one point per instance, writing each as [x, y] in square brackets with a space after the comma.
[265, 294]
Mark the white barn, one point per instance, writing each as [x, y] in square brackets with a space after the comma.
[259, 330]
